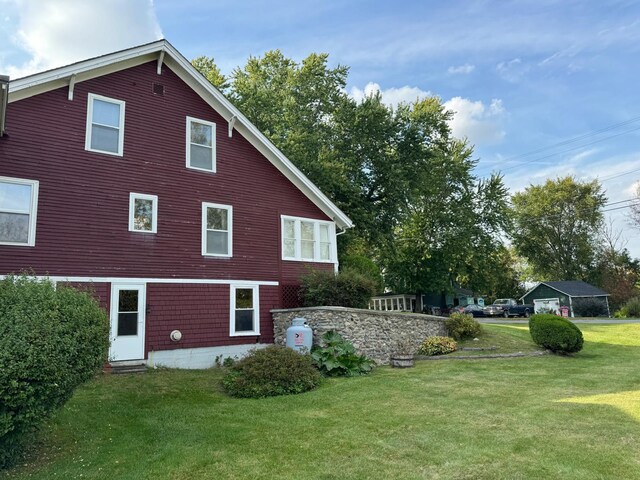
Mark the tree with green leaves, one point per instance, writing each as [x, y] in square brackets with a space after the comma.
[557, 227]
[207, 67]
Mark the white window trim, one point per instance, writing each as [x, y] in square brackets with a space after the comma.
[229, 210]
[154, 220]
[213, 144]
[333, 252]
[87, 143]
[33, 210]
[256, 311]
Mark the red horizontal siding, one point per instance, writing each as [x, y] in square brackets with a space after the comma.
[82, 227]
[201, 313]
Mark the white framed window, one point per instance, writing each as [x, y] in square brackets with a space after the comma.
[217, 230]
[18, 208]
[306, 239]
[143, 213]
[245, 310]
[105, 125]
[201, 145]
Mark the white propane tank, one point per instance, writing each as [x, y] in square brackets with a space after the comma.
[299, 335]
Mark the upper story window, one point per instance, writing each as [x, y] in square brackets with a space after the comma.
[18, 207]
[201, 145]
[105, 125]
[217, 234]
[245, 312]
[306, 239]
[143, 213]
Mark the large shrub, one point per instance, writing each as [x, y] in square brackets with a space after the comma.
[462, 326]
[51, 341]
[348, 288]
[437, 346]
[555, 333]
[589, 307]
[338, 358]
[271, 371]
[631, 309]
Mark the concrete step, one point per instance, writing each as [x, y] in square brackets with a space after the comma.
[127, 367]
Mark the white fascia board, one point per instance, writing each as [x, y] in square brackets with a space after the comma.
[85, 70]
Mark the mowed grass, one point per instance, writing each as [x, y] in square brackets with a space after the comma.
[534, 417]
[498, 340]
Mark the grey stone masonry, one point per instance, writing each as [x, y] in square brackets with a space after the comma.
[373, 333]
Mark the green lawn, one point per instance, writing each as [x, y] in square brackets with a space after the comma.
[498, 340]
[534, 417]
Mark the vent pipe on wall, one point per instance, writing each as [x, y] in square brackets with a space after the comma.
[4, 101]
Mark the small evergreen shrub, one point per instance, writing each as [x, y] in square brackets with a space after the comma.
[271, 371]
[589, 307]
[51, 341]
[437, 346]
[348, 288]
[555, 333]
[338, 357]
[462, 326]
[631, 309]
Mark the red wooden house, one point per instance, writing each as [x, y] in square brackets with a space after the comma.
[130, 174]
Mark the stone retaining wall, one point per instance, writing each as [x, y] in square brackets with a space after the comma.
[373, 333]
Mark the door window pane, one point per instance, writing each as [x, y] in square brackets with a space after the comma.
[127, 324]
[127, 312]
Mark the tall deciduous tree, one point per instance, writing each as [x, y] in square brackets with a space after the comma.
[557, 227]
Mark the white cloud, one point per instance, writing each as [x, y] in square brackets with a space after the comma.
[59, 32]
[513, 70]
[474, 120]
[391, 96]
[461, 69]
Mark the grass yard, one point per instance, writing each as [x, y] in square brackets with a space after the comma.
[498, 340]
[535, 417]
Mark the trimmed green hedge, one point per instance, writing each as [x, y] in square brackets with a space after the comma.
[555, 333]
[271, 371]
[51, 341]
[348, 288]
[461, 326]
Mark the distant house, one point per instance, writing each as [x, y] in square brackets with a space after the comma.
[429, 302]
[131, 175]
[572, 294]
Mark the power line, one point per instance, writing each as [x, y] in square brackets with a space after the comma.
[569, 149]
[611, 177]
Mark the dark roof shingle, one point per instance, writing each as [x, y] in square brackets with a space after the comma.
[576, 288]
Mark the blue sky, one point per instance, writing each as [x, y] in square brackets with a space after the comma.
[522, 76]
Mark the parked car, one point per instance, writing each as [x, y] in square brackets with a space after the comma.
[508, 307]
[475, 310]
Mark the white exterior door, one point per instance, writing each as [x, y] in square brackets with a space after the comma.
[127, 321]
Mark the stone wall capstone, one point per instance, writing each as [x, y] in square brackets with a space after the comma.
[373, 333]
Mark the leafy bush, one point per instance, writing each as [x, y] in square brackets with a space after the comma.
[348, 288]
[589, 307]
[437, 346]
[338, 358]
[555, 333]
[462, 326]
[270, 371]
[631, 309]
[51, 341]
